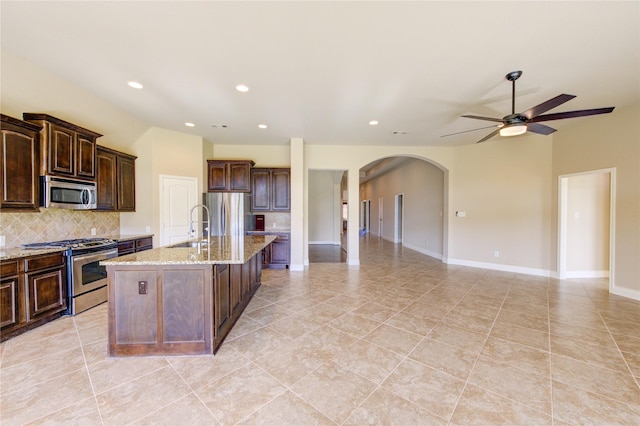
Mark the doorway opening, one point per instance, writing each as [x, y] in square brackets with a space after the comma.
[586, 225]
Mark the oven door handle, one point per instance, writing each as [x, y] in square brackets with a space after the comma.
[92, 257]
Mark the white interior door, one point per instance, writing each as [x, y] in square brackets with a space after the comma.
[178, 194]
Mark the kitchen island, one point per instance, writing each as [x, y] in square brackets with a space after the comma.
[181, 299]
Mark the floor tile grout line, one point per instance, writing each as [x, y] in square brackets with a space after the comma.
[86, 366]
[620, 352]
[476, 363]
[193, 391]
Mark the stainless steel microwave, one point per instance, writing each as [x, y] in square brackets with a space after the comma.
[64, 193]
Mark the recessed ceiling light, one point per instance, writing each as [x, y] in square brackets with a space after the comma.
[242, 88]
[135, 85]
[189, 124]
[262, 126]
[373, 122]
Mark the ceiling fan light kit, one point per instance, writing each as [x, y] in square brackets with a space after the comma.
[529, 121]
[513, 130]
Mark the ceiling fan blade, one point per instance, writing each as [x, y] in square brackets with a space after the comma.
[467, 131]
[478, 117]
[541, 129]
[546, 106]
[571, 114]
[489, 136]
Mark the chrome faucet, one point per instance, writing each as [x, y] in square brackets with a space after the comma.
[203, 222]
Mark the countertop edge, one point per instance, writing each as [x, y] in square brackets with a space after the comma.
[181, 256]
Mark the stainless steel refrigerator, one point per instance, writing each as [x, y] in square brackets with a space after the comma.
[229, 212]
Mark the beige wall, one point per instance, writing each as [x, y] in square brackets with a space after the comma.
[324, 210]
[263, 156]
[609, 141]
[504, 188]
[161, 152]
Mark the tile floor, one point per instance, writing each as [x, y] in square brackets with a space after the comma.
[403, 339]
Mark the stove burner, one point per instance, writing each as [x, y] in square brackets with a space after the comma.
[81, 243]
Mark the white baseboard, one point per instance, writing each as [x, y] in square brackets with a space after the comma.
[296, 267]
[625, 292]
[423, 251]
[500, 267]
[587, 274]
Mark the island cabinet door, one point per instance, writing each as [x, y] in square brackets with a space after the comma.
[222, 302]
[236, 289]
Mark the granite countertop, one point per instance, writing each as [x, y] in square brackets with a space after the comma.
[223, 250]
[127, 237]
[18, 252]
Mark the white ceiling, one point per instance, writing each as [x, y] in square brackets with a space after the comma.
[323, 70]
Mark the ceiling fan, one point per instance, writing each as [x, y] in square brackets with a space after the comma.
[529, 120]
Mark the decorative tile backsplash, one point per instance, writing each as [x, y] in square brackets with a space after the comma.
[55, 224]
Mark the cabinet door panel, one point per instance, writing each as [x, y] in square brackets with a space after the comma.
[260, 190]
[183, 303]
[216, 176]
[280, 183]
[236, 288]
[136, 315]
[61, 151]
[126, 184]
[47, 292]
[239, 177]
[106, 181]
[280, 252]
[86, 159]
[9, 302]
[19, 175]
[222, 301]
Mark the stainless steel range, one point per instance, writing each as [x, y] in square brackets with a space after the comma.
[86, 279]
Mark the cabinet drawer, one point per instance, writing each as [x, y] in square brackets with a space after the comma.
[9, 268]
[126, 247]
[144, 243]
[43, 262]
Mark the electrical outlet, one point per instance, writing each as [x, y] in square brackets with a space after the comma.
[142, 287]
[147, 229]
[93, 231]
[496, 254]
[3, 241]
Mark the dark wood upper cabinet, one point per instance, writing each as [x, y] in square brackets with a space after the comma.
[271, 189]
[229, 175]
[20, 161]
[106, 180]
[66, 150]
[260, 189]
[115, 180]
[126, 168]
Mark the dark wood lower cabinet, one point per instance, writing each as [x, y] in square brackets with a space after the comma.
[134, 245]
[176, 309]
[33, 291]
